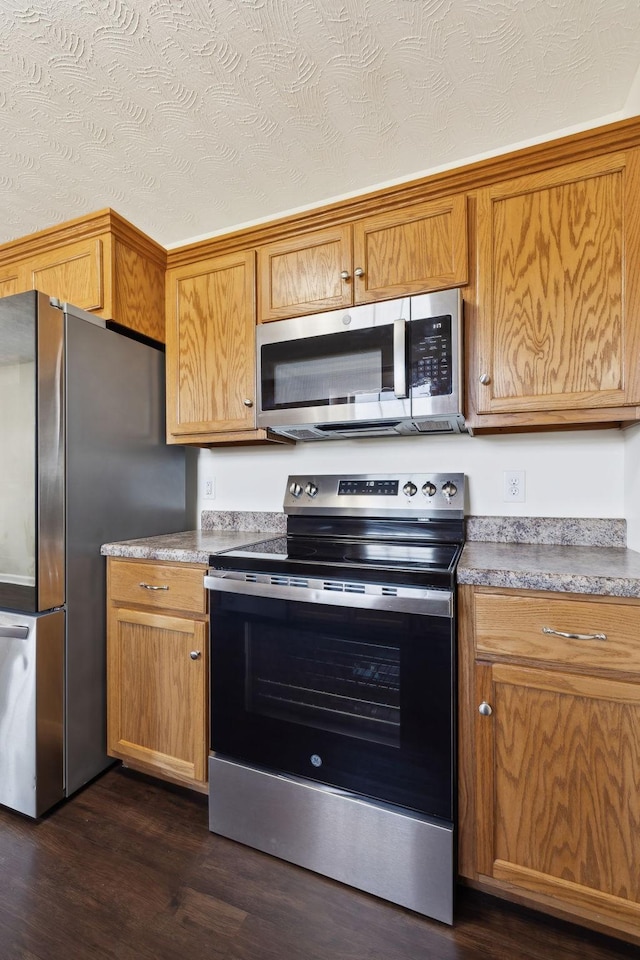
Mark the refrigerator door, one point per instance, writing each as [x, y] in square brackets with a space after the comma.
[123, 481]
[31, 711]
[32, 443]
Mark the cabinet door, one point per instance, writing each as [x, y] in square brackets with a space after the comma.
[73, 273]
[303, 274]
[12, 280]
[558, 764]
[558, 289]
[211, 347]
[157, 692]
[412, 250]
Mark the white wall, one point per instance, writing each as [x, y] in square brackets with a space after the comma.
[572, 474]
[632, 485]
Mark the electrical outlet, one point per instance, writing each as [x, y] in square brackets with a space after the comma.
[209, 488]
[513, 491]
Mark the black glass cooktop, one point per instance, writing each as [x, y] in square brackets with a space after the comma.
[396, 562]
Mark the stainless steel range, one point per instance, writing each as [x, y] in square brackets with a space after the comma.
[332, 685]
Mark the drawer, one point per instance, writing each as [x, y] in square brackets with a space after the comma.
[515, 626]
[175, 586]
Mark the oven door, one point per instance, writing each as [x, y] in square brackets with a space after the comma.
[343, 366]
[352, 691]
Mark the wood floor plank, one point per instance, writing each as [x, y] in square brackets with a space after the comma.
[128, 870]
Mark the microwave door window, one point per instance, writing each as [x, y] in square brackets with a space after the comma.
[328, 370]
[323, 380]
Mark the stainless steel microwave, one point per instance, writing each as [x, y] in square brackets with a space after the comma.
[376, 369]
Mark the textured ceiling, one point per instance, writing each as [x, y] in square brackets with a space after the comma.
[192, 116]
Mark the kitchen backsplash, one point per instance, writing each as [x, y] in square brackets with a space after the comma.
[270, 522]
[569, 531]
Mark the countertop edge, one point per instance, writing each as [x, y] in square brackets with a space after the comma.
[551, 582]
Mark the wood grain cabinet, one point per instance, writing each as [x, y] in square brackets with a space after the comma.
[557, 331]
[550, 752]
[157, 663]
[100, 263]
[211, 351]
[410, 249]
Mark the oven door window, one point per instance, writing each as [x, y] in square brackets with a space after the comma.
[350, 686]
[353, 698]
[332, 369]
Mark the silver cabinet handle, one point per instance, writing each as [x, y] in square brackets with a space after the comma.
[345, 275]
[574, 636]
[485, 709]
[358, 272]
[195, 654]
[247, 402]
[14, 632]
[150, 586]
[484, 379]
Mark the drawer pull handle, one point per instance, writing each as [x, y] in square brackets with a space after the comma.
[150, 586]
[195, 654]
[575, 636]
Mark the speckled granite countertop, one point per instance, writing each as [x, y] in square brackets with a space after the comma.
[607, 571]
[192, 546]
[525, 553]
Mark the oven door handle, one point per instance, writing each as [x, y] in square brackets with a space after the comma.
[371, 596]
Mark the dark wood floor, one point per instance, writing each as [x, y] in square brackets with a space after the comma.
[128, 870]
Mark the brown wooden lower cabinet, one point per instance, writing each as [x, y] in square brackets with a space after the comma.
[549, 746]
[157, 669]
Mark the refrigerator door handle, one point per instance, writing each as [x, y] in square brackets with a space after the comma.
[14, 632]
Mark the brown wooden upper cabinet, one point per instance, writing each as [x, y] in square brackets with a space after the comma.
[411, 249]
[210, 349]
[100, 263]
[558, 322]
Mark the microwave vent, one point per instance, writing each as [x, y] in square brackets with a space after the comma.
[437, 426]
[300, 433]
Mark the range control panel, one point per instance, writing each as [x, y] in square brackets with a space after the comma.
[390, 495]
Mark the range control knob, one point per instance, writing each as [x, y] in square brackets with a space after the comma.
[295, 489]
[429, 489]
[409, 489]
[311, 489]
[449, 489]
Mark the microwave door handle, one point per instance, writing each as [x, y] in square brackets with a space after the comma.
[400, 358]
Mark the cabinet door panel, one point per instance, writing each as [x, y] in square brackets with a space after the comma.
[12, 280]
[211, 346]
[157, 692]
[559, 772]
[412, 250]
[556, 324]
[302, 274]
[73, 273]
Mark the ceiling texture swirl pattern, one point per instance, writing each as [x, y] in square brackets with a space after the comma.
[192, 116]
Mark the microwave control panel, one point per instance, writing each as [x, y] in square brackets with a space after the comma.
[430, 352]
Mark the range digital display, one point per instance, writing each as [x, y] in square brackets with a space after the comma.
[368, 488]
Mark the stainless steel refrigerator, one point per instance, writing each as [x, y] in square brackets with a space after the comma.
[84, 462]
